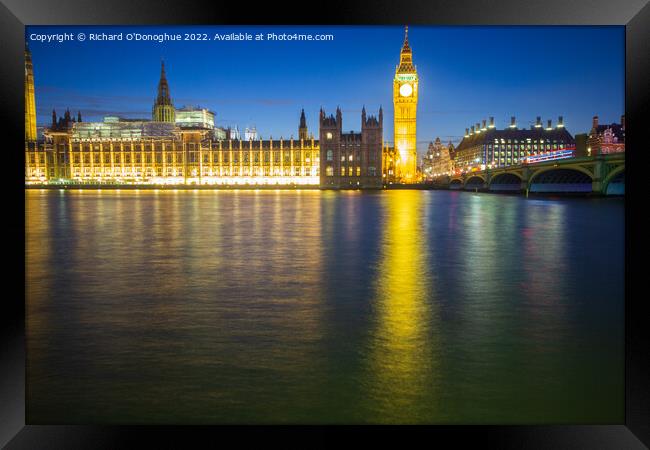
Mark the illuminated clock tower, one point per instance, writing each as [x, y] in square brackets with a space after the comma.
[405, 104]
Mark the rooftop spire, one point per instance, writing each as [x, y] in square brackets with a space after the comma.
[406, 55]
[405, 46]
[163, 87]
[303, 120]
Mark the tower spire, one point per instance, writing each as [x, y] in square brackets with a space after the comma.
[163, 109]
[163, 87]
[302, 128]
[303, 120]
[406, 55]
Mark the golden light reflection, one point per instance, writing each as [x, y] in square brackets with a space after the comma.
[402, 354]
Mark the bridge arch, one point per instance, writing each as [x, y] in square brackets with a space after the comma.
[615, 177]
[561, 179]
[456, 183]
[475, 180]
[506, 181]
[548, 169]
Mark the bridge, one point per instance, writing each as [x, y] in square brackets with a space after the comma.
[600, 175]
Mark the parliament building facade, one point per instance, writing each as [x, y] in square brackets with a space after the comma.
[172, 149]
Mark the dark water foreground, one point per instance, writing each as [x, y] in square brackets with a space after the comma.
[323, 307]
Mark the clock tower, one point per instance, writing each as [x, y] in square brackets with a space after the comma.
[405, 103]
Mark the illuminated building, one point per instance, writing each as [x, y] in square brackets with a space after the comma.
[351, 159]
[486, 146]
[437, 161]
[184, 147]
[405, 102]
[604, 139]
[30, 101]
[170, 149]
[189, 116]
[150, 152]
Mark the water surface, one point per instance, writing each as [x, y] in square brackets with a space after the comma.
[323, 307]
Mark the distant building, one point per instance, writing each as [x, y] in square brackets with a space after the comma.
[250, 133]
[233, 133]
[437, 161]
[194, 117]
[220, 134]
[604, 139]
[486, 146]
[351, 159]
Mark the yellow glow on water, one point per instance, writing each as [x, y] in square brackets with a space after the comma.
[402, 351]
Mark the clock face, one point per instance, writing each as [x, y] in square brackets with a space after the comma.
[405, 90]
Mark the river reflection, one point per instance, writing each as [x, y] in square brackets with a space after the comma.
[322, 307]
[402, 363]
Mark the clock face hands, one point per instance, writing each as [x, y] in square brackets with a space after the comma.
[405, 90]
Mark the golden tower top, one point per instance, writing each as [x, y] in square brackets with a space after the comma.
[406, 55]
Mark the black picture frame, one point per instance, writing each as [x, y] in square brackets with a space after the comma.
[15, 14]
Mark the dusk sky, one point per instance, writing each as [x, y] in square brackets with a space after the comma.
[466, 74]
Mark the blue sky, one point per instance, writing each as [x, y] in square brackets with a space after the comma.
[466, 74]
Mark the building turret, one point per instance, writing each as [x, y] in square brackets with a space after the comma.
[302, 129]
[54, 120]
[78, 116]
[163, 109]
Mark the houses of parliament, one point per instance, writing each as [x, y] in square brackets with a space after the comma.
[183, 146]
